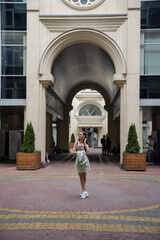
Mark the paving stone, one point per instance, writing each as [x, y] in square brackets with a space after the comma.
[45, 203]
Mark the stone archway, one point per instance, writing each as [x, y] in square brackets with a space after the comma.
[112, 125]
[79, 36]
[75, 37]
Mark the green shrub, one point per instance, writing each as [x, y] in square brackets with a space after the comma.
[106, 136]
[72, 138]
[133, 145]
[28, 145]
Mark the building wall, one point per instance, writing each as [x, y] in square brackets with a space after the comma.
[53, 26]
[12, 70]
[48, 20]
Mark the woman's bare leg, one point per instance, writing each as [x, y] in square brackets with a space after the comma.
[82, 177]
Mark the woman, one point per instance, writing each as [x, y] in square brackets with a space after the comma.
[82, 163]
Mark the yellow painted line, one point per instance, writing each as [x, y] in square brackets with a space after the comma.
[67, 174]
[80, 226]
[76, 176]
[79, 216]
[103, 212]
[38, 178]
[128, 180]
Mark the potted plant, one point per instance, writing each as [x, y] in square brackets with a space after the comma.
[132, 159]
[72, 140]
[28, 158]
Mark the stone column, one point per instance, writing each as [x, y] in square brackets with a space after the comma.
[44, 81]
[63, 132]
[33, 91]
[111, 128]
[129, 84]
[49, 142]
[42, 122]
[120, 81]
[133, 114]
[123, 129]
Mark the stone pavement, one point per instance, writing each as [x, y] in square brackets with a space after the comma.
[45, 204]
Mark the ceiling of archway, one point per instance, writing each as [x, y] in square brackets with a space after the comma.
[83, 63]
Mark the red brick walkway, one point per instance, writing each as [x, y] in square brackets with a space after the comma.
[45, 204]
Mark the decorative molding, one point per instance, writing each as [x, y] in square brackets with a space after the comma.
[90, 124]
[102, 23]
[119, 80]
[83, 4]
[47, 80]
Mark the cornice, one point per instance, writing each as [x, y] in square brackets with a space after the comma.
[55, 23]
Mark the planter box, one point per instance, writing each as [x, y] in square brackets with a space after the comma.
[133, 161]
[28, 161]
[71, 145]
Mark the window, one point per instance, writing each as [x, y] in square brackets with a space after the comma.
[150, 87]
[13, 60]
[150, 52]
[17, 1]
[90, 110]
[13, 49]
[150, 14]
[83, 4]
[9, 37]
[13, 16]
[13, 87]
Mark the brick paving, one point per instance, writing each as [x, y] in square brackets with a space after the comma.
[45, 204]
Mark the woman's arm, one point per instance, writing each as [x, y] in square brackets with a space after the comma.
[87, 147]
[74, 149]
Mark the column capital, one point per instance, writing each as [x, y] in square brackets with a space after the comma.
[46, 80]
[119, 79]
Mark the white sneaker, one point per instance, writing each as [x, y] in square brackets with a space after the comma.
[81, 193]
[84, 195]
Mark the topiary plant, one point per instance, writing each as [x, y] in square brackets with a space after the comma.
[106, 136]
[28, 145]
[133, 145]
[72, 138]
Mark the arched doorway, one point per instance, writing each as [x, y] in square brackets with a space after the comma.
[109, 70]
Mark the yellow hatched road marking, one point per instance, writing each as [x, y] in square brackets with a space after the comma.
[81, 226]
[79, 216]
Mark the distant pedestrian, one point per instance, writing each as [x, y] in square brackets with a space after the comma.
[150, 150]
[103, 142]
[82, 162]
[108, 145]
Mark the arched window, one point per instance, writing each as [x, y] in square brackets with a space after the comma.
[83, 4]
[90, 110]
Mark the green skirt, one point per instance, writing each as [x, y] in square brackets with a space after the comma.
[84, 168]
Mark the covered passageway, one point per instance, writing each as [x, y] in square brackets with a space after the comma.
[86, 59]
